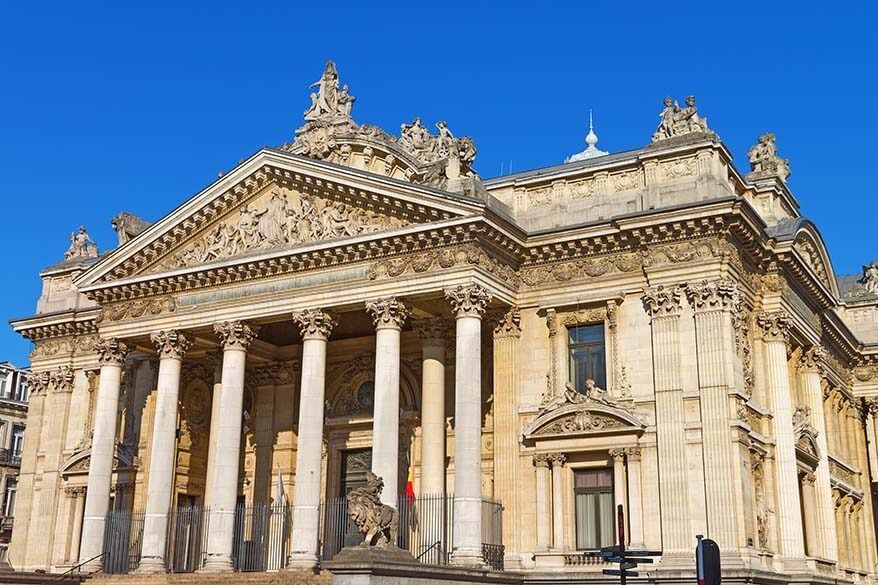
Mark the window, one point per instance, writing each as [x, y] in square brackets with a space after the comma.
[17, 440]
[587, 355]
[593, 493]
[5, 380]
[20, 393]
[9, 497]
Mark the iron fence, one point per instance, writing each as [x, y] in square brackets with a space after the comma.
[425, 529]
[262, 533]
[123, 541]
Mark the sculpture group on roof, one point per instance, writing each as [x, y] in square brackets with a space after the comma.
[675, 121]
[81, 245]
[869, 279]
[764, 160]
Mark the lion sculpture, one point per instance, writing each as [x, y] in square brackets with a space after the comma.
[378, 522]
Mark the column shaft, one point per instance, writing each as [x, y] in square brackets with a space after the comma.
[541, 462]
[635, 499]
[215, 402]
[433, 421]
[385, 425]
[811, 516]
[558, 502]
[619, 483]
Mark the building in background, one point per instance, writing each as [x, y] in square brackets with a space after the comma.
[13, 414]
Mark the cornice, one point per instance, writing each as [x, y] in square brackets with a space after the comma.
[54, 325]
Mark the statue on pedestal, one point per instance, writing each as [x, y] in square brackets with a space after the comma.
[870, 277]
[675, 121]
[81, 245]
[764, 161]
[378, 522]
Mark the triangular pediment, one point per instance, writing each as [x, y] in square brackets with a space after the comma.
[276, 202]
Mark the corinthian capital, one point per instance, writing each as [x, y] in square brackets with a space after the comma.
[432, 331]
[38, 382]
[62, 379]
[719, 295]
[775, 326]
[663, 302]
[812, 359]
[388, 313]
[468, 301]
[111, 352]
[315, 323]
[508, 323]
[170, 343]
[235, 334]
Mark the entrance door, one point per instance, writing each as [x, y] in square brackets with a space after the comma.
[354, 465]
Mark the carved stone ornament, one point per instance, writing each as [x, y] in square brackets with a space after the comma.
[315, 323]
[62, 379]
[128, 226]
[170, 343]
[677, 122]
[508, 323]
[764, 161]
[81, 245]
[593, 394]
[663, 302]
[812, 360]
[541, 460]
[468, 301]
[869, 280]
[235, 334]
[442, 259]
[579, 422]
[713, 296]
[436, 331]
[38, 383]
[377, 522]
[111, 352]
[137, 308]
[774, 326]
[388, 313]
[330, 133]
[286, 218]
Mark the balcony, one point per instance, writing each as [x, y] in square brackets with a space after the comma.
[10, 457]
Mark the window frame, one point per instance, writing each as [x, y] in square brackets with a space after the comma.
[571, 347]
[611, 490]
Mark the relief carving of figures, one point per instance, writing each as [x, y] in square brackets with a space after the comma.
[764, 160]
[377, 522]
[81, 245]
[675, 121]
[287, 219]
[592, 394]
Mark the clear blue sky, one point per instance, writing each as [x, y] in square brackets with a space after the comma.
[136, 106]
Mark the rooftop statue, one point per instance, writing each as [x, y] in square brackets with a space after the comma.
[127, 225]
[81, 245]
[870, 277]
[675, 121]
[378, 522]
[764, 161]
[328, 101]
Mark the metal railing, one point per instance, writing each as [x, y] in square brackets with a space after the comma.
[425, 529]
[10, 457]
[262, 535]
[123, 541]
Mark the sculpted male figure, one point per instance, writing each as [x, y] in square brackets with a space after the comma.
[81, 245]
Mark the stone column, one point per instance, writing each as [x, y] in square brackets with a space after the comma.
[507, 466]
[810, 513]
[316, 326]
[76, 493]
[558, 460]
[236, 337]
[111, 355]
[388, 315]
[664, 306]
[619, 483]
[839, 505]
[215, 401]
[541, 462]
[635, 498]
[858, 526]
[468, 303]
[433, 336]
[810, 365]
[171, 346]
[775, 330]
[713, 303]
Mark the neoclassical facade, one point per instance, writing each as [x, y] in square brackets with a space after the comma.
[653, 329]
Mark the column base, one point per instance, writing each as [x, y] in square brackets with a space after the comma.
[93, 566]
[150, 565]
[302, 562]
[466, 557]
[217, 564]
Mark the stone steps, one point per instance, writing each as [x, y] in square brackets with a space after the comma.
[277, 578]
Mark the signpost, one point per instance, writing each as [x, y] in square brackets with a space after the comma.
[627, 559]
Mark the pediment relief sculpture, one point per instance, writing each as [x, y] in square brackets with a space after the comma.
[281, 218]
[330, 133]
[809, 251]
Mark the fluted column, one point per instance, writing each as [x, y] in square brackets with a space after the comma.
[824, 521]
[316, 327]
[468, 304]
[713, 303]
[111, 355]
[775, 330]
[77, 494]
[558, 460]
[810, 514]
[433, 334]
[635, 498]
[839, 504]
[236, 337]
[388, 315]
[507, 484]
[171, 346]
[541, 463]
[619, 482]
[664, 306]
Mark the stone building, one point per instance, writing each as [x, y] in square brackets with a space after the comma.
[13, 414]
[653, 328]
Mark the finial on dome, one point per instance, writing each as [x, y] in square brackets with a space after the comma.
[591, 141]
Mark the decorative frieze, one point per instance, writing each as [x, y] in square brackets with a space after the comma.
[388, 313]
[468, 301]
[440, 259]
[235, 334]
[111, 351]
[170, 343]
[148, 307]
[663, 301]
[315, 323]
[719, 295]
[775, 326]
